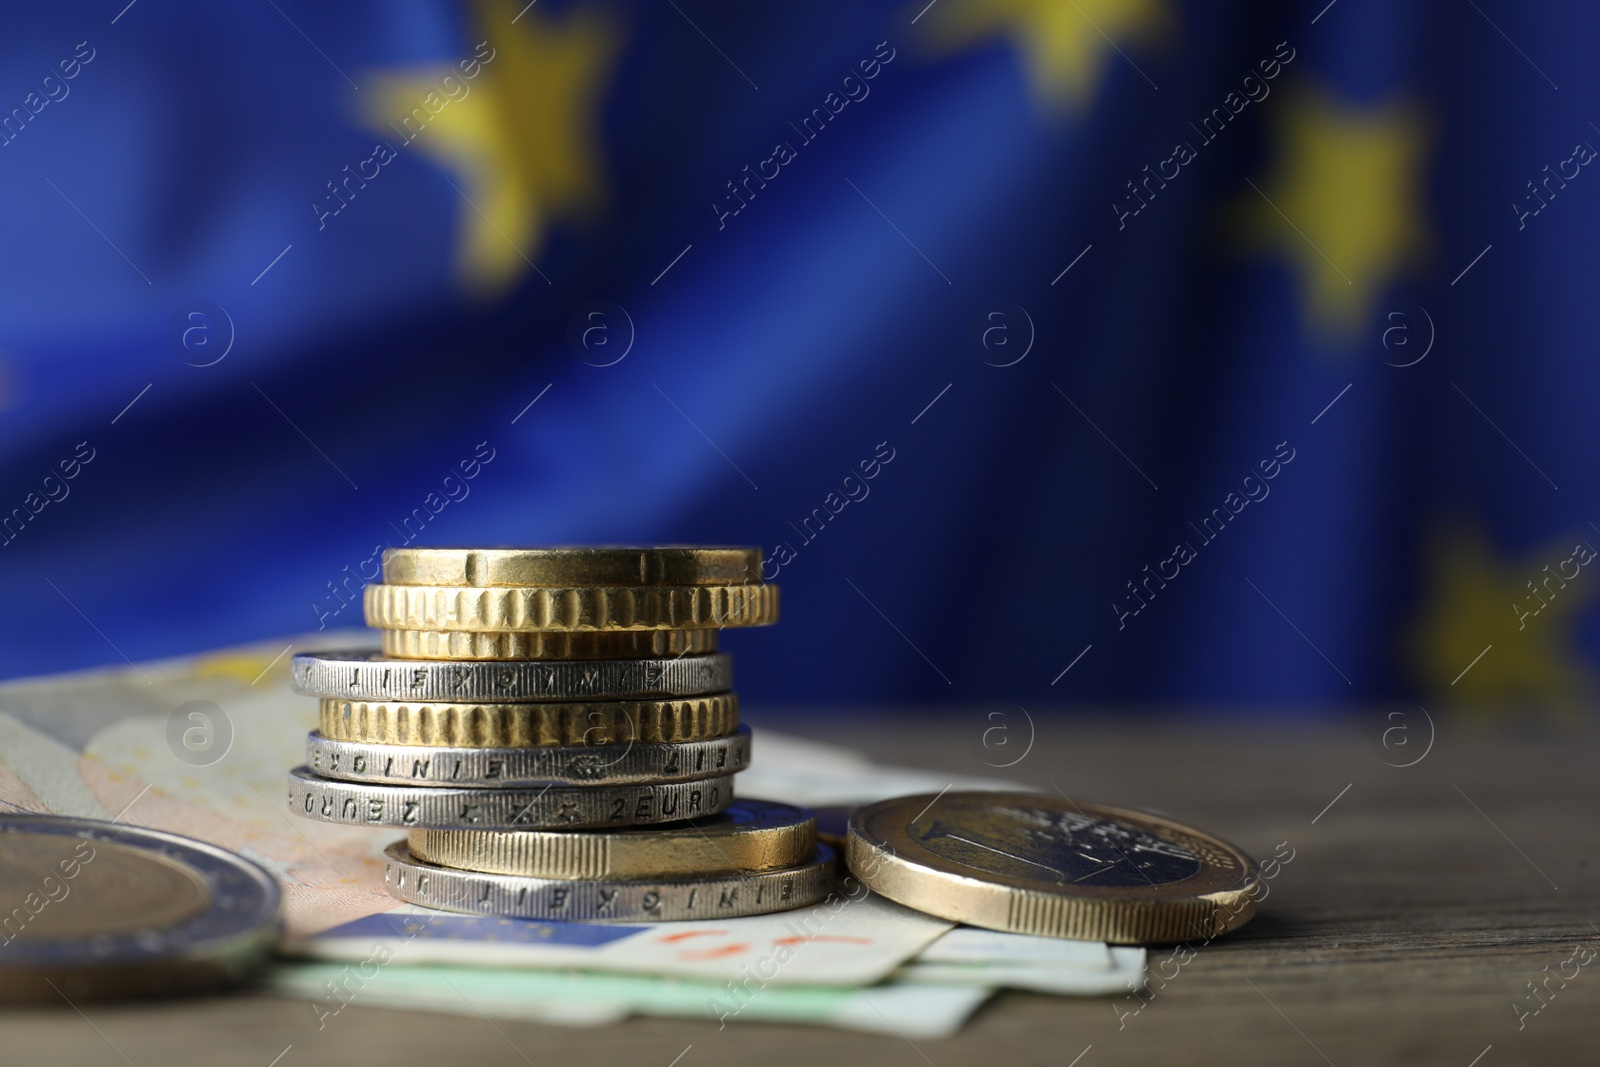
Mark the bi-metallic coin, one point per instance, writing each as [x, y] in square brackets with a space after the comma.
[94, 909]
[1038, 863]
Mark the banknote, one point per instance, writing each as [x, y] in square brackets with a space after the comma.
[1125, 974]
[816, 774]
[199, 746]
[969, 944]
[853, 937]
[578, 998]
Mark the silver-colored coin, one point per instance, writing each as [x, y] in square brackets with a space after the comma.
[517, 897]
[373, 676]
[547, 808]
[100, 910]
[502, 768]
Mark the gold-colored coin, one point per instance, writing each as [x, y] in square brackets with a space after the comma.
[550, 723]
[752, 835]
[569, 567]
[611, 644]
[1037, 863]
[578, 609]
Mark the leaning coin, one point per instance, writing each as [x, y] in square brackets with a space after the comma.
[614, 644]
[446, 807]
[581, 609]
[1036, 863]
[372, 676]
[752, 835]
[512, 897]
[550, 723]
[610, 565]
[102, 910]
[513, 767]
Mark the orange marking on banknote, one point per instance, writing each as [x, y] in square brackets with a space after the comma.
[670, 938]
[716, 953]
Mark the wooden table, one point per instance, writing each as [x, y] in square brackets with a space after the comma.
[1419, 904]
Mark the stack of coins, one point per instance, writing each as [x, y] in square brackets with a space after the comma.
[558, 732]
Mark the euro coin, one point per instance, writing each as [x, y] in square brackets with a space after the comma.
[579, 609]
[1035, 863]
[615, 644]
[599, 900]
[752, 835]
[371, 676]
[102, 910]
[527, 808]
[507, 768]
[618, 565]
[549, 723]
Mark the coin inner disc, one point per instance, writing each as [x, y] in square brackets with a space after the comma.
[112, 889]
[1064, 847]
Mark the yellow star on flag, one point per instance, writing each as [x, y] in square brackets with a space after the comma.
[1482, 635]
[518, 142]
[1343, 203]
[1065, 44]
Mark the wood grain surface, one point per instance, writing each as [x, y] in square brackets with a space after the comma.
[1413, 915]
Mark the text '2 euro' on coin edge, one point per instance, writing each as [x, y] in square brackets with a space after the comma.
[451, 808]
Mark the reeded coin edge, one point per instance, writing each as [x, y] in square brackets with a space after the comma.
[662, 851]
[544, 644]
[589, 609]
[530, 723]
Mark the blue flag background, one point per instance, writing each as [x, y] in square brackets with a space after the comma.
[1115, 351]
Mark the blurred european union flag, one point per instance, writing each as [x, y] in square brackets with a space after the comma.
[1055, 351]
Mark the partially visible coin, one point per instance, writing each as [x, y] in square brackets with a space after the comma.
[611, 565]
[506, 768]
[1036, 863]
[550, 723]
[581, 609]
[614, 644]
[752, 835]
[595, 900]
[369, 676]
[104, 910]
[548, 808]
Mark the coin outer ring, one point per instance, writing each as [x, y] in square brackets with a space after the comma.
[571, 566]
[372, 676]
[1219, 898]
[220, 946]
[551, 724]
[449, 808]
[510, 896]
[614, 644]
[580, 609]
[506, 768]
[773, 836]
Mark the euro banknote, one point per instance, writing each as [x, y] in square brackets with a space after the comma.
[199, 746]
